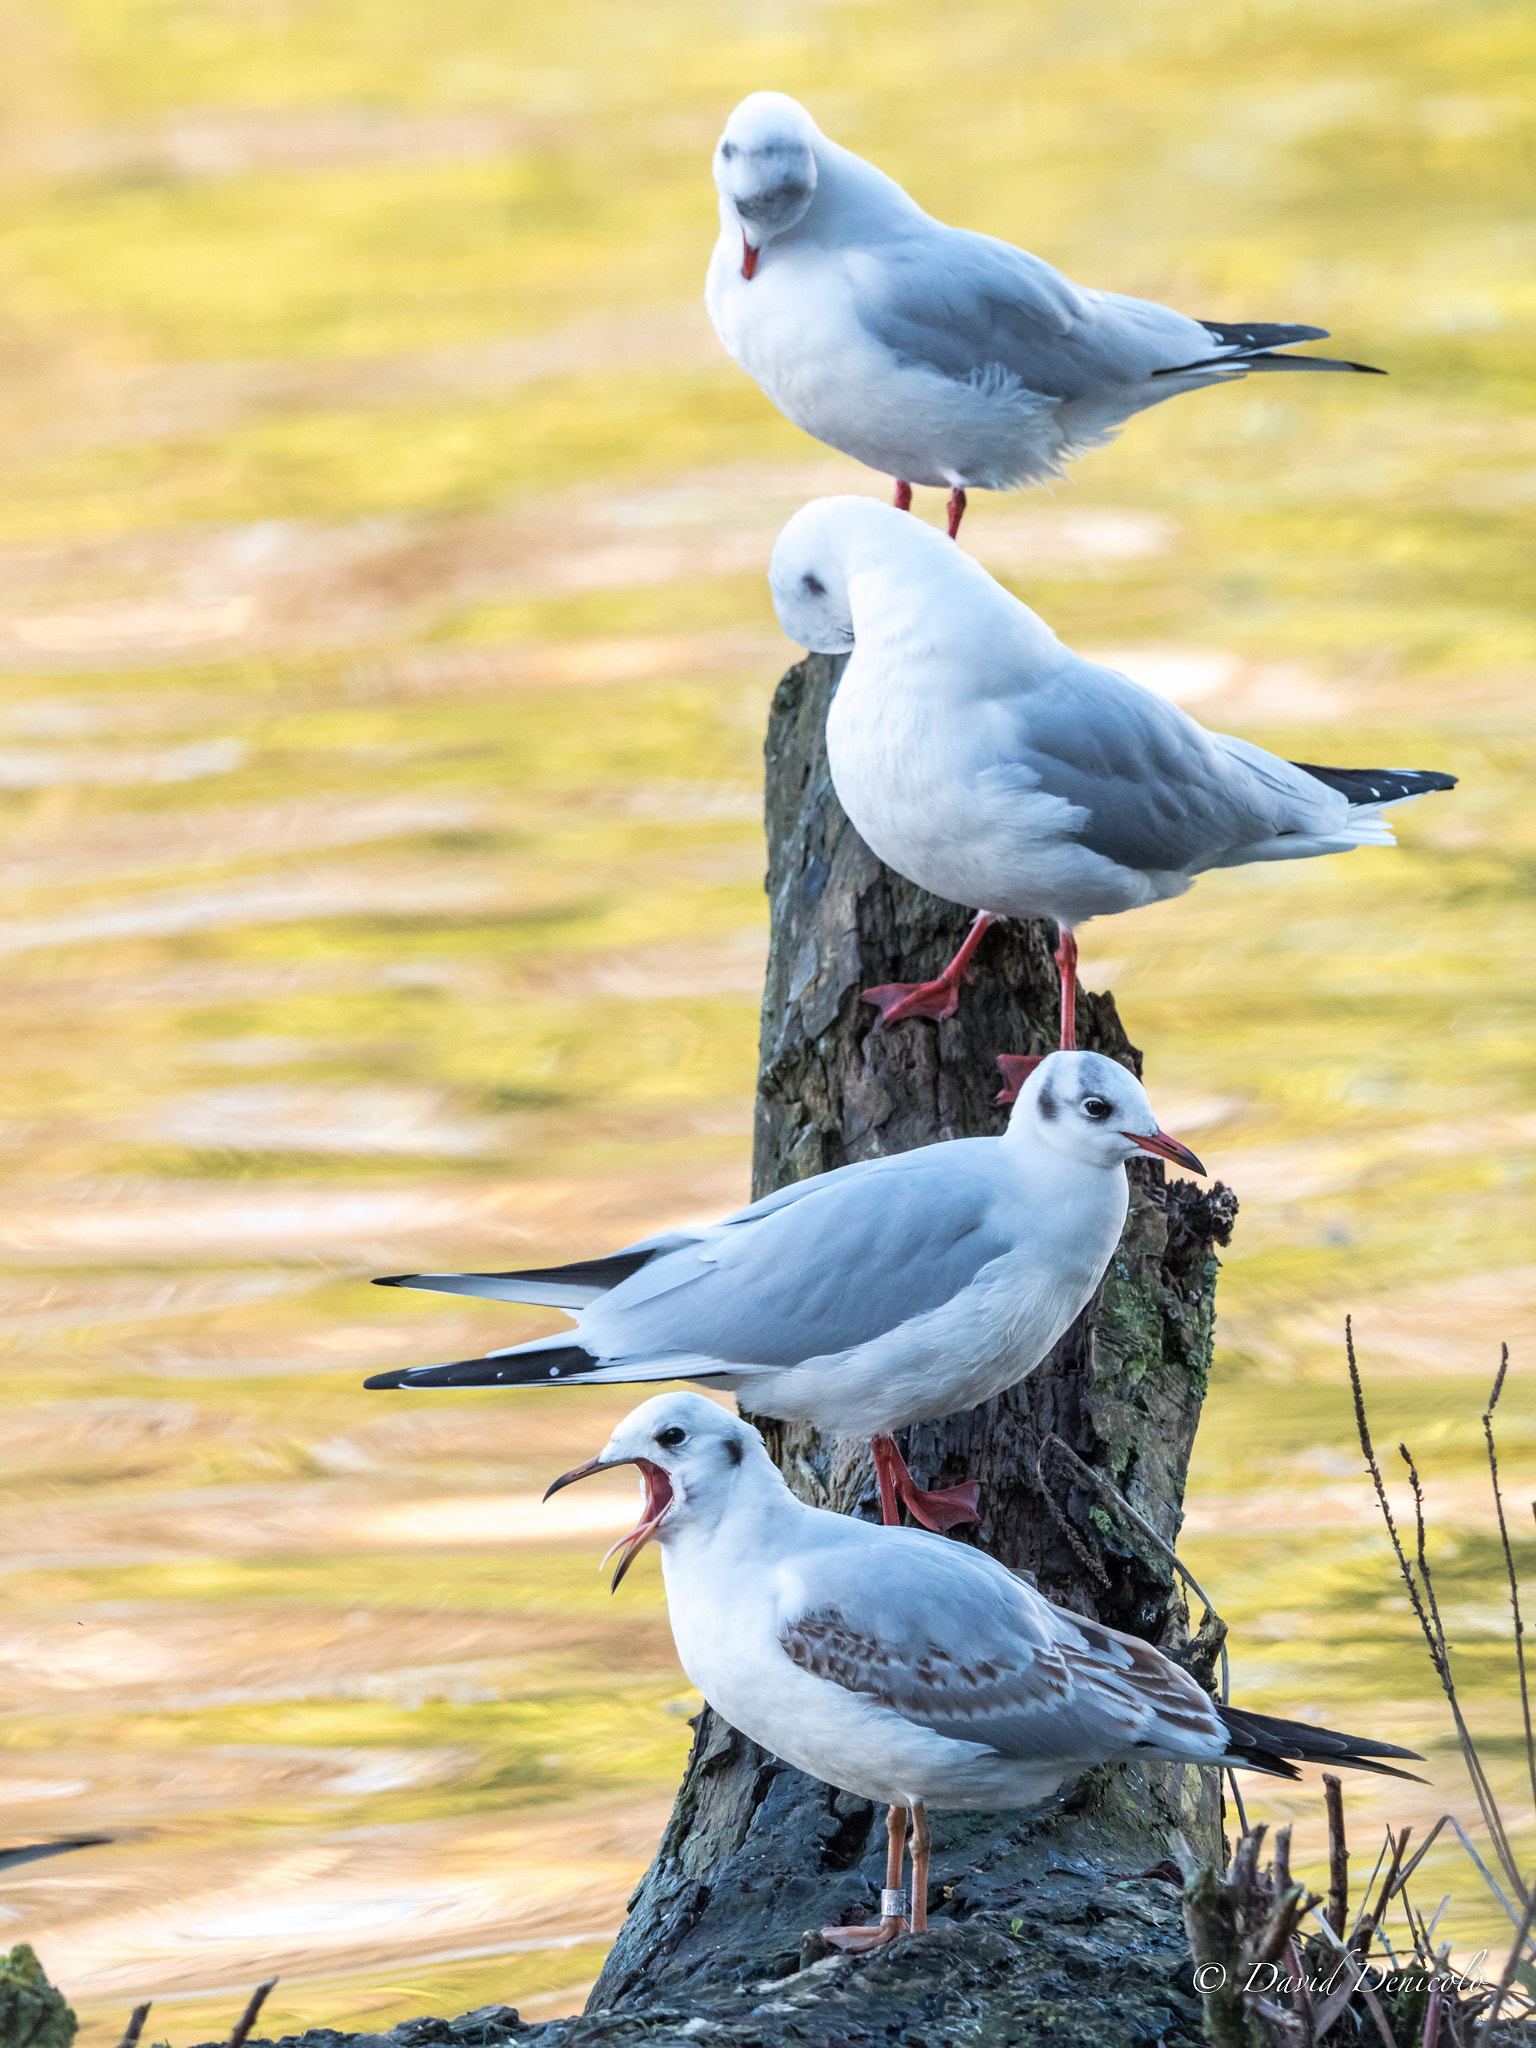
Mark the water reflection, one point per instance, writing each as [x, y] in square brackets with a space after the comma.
[384, 655]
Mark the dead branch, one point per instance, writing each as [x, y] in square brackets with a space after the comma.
[135, 2025]
[1509, 1564]
[1338, 1854]
[247, 2019]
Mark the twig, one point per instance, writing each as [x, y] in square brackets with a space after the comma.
[1370, 1922]
[247, 2019]
[1437, 1964]
[1237, 1801]
[1338, 1855]
[1434, 1633]
[1080, 1550]
[1509, 1565]
[1501, 1989]
[135, 2025]
[1140, 1523]
[1487, 1875]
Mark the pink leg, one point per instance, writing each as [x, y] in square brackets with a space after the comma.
[941, 998]
[949, 1507]
[955, 511]
[856, 1940]
[903, 498]
[1066, 960]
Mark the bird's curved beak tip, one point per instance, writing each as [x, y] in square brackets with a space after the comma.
[658, 1498]
[749, 257]
[1161, 1146]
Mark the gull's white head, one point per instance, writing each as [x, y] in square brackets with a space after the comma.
[1088, 1106]
[823, 549]
[693, 1456]
[765, 169]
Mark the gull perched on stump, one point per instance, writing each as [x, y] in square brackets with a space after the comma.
[863, 1300]
[899, 1667]
[986, 762]
[938, 356]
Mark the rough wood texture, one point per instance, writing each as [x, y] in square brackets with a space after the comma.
[755, 1853]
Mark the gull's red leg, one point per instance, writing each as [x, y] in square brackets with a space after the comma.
[948, 1507]
[892, 1921]
[1066, 960]
[955, 510]
[940, 998]
[922, 1842]
[903, 498]
[885, 1452]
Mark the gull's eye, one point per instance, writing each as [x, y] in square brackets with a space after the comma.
[669, 1439]
[812, 585]
[727, 150]
[1096, 1108]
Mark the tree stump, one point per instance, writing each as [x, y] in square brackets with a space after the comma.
[1025, 1907]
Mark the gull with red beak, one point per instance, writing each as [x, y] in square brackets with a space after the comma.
[886, 1293]
[903, 1669]
[938, 356]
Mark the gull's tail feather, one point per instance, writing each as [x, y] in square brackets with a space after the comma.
[574, 1286]
[1265, 345]
[1262, 1742]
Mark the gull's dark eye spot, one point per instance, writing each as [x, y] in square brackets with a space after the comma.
[727, 150]
[669, 1439]
[812, 585]
[1096, 1108]
[733, 1450]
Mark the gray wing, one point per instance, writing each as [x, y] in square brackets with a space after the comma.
[963, 303]
[849, 1256]
[1159, 792]
[951, 1641]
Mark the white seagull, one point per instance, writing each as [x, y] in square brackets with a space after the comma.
[882, 1294]
[936, 355]
[901, 1667]
[988, 763]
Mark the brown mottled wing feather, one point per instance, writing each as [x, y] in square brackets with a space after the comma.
[954, 1643]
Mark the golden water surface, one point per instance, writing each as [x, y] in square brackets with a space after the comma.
[384, 656]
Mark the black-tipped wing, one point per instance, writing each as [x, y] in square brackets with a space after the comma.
[1378, 785]
[573, 1286]
[1260, 333]
[1265, 1743]
[531, 1368]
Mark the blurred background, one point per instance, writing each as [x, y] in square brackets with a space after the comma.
[384, 660]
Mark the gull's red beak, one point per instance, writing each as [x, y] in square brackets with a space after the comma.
[658, 1498]
[1164, 1147]
[749, 257]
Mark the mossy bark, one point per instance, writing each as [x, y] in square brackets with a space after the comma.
[755, 1853]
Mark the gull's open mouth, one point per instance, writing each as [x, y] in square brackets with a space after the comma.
[1165, 1148]
[749, 257]
[658, 1498]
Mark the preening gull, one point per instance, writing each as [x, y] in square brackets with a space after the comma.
[988, 763]
[879, 1295]
[936, 355]
[901, 1667]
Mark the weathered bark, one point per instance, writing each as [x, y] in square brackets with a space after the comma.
[755, 1853]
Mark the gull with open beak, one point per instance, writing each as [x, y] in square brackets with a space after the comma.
[885, 1293]
[900, 1668]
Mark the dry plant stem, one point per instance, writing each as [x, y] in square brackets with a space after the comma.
[1509, 1565]
[135, 2025]
[1501, 1989]
[1370, 1921]
[1329, 2013]
[1303, 2008]
[1338, 1855]
[247, 2019]
[1433, 1632]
